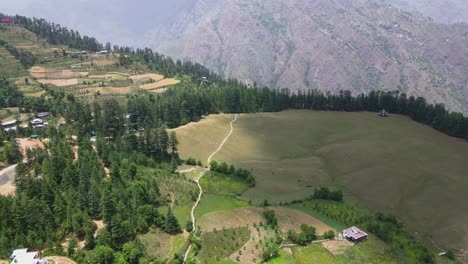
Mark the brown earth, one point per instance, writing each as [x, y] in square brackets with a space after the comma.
[31, 143]
[59, 82]
[49, 73]
[159, 84]
[154, 76]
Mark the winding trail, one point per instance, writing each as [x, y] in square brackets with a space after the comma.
[197, 181]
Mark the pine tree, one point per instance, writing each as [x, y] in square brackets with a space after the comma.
[173, 142]
[89, 239]
[171, 225]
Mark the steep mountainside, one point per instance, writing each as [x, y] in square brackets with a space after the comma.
[330, 45]
[446, 11]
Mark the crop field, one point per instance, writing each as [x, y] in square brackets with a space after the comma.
[159, 84]
[220, 244]
[389, 164]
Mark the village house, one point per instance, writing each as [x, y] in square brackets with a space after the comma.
[6, 21]
[36, 121]
[22, 256]
[10, 125]
[43, 115]
[354, 234]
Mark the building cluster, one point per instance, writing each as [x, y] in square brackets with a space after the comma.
[37, 122]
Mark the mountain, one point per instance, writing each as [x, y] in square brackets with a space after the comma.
[446, 11]
[327, 45]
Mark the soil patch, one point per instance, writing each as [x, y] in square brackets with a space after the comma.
[153, 76]
[59, 82]
[60, 260]
[159, 84]
[31, 143]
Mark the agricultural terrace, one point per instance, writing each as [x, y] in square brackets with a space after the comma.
[86, 75]
[389, 164]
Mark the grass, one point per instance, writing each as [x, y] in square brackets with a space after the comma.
[314, 253]
[332, 223]
[283, 258]
[212, 202]
[394, 164]
[216, 183]
[157, 244]
[9, 66]
[219, 245]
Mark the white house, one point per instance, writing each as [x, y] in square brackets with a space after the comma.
[22, 256]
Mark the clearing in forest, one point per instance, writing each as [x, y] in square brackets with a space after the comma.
[402, 165]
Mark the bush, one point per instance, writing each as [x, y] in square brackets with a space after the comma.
[323, 193]
[329, 234]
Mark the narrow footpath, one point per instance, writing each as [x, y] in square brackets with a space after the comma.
[197, 181]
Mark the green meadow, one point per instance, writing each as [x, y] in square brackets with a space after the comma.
[385, 164]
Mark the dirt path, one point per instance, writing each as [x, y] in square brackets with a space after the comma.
[7, 175]
[197, 181]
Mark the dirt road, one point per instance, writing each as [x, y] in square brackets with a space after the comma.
[197, 181]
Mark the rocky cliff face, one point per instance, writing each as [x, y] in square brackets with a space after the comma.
[329, 45]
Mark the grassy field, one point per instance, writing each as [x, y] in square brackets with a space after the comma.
[391, 164]
[213, 202]
[216, 183]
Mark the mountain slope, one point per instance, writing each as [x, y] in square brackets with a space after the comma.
[328, 45]
[446, 11]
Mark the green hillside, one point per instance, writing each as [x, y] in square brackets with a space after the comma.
[107, 177]
[387, 164]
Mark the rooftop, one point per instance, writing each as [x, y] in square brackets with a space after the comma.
[354, 233]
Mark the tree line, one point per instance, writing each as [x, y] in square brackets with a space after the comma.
[188, 101]
[224, 168]
[57, 35]
[26, 58]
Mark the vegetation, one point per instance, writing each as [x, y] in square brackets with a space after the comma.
[306, 236]
[388, 164]
[26, 58]
[59, 195]
[385, 226]
[324, 193]
[220, 244]
[231, 170]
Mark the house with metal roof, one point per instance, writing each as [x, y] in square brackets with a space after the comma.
[354, 234]
[22, 256]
